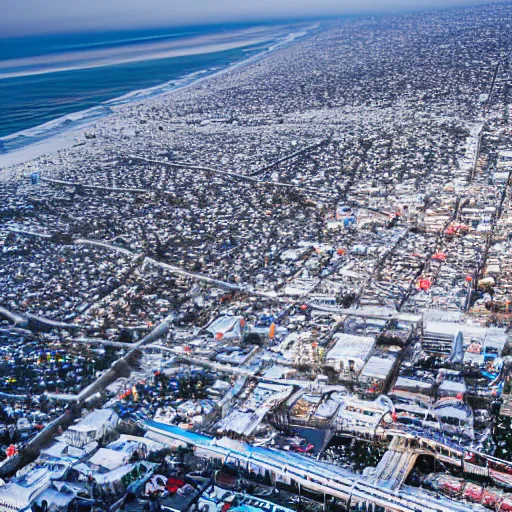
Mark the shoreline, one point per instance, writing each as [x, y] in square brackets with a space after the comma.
[68, 137]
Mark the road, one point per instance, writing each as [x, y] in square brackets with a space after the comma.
[307, 472]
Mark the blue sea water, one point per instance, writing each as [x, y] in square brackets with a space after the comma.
[51, 84]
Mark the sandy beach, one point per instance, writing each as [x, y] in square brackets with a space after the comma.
[75, 136]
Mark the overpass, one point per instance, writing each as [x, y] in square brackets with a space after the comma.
[396, 463]
[407, 444]
[309, 473]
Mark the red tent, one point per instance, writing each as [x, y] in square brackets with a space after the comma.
[424, 284]
[11, 451]
[506, 505]
[473, 492]
[173, 484]
[490, 498]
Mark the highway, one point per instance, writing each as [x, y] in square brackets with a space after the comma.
[310, 473]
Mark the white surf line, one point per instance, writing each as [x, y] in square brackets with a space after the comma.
[60, 141]
[114, 59]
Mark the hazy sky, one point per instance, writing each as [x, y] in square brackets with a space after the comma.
[43, 16]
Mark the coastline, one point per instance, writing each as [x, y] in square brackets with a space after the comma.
[68, 138]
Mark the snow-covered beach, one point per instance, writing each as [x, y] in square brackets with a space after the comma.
[68, 131]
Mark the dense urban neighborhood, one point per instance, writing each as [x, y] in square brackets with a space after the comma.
[285, 287]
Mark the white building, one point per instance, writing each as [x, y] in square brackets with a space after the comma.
[92, 428]
[350, 353]
[19, 493]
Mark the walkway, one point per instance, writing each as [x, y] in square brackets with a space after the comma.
[396, 463]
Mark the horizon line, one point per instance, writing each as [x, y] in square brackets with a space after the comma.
[144, 26]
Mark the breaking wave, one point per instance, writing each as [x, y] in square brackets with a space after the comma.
[85, 117]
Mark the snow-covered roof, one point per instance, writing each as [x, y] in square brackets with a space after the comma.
[377, 367]
[276, 372]
[62, 450]
[108, 459]
[452, 386]
[21, 492]
[118, 473]
[54, 497]
[408, 383]
[451, 412]
[152, 446]
[96, 419]
[226, 324]
[114, 475]
[449, 328]
[349, 346]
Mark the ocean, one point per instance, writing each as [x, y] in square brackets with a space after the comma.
[56, 83]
